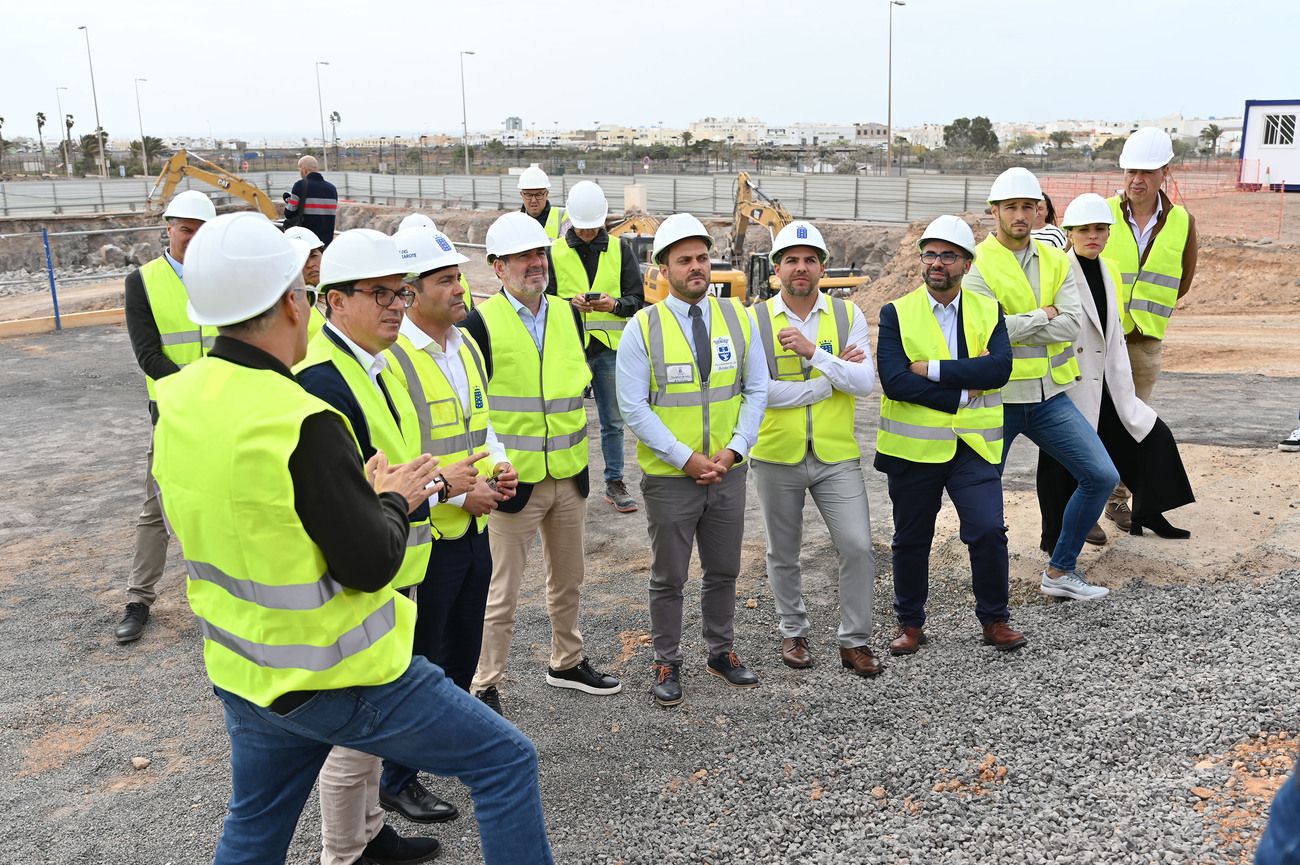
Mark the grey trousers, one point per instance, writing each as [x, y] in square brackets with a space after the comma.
[682, 514]
[150, 541]
[840, 494]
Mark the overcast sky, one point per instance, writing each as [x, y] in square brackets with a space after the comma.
[246, 69]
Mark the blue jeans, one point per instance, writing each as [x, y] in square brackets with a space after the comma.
[611, 419]
[421, 719]
[1280, 844]
[1056, 426]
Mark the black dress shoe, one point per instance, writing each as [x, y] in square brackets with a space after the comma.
[728, 668]
[667, 690]
[418, 805]
[132, 623]
[1158, 524]
[389, 848]
[491, 697]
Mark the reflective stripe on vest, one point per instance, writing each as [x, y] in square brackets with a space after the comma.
[183, 341]
[925, 435]
[398, 438]
[272, 617]
[1149, 293]
[701, 415]
[456, 434]
[1007, 280]
[571, 280]
[536, 398]
[825, 427]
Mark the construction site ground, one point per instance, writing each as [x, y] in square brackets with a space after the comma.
[1153, 726]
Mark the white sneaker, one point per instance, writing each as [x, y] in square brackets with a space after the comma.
[1291, 442]
[1071, 585]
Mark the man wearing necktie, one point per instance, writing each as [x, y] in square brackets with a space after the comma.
[694, 393]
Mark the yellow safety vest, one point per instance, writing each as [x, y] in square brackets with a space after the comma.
[925, 435]
[315, 321]
[183, 341]
[1149, 292]
[701, 415]
[536, 398]
[826, 427]
[1005, 277]
[399, 440]
[554, 222]
[571, 280]
[273, 620]
[465, 295]
[447, 430]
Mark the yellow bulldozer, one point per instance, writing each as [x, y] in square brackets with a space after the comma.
[639, 230]
[183, 164]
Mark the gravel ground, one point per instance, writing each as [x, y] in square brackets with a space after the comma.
[1083, 747]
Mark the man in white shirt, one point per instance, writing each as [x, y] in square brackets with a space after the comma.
[817, 354]
[693, 390]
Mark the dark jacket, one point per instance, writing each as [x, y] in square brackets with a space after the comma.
[964, 373]
[142, 329]
[313, 203]
[631, 288]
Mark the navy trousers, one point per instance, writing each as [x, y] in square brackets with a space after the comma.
[975, 487]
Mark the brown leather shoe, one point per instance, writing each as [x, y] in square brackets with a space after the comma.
[1096, 536]
[860, 660]
[1003, 637]
[794, 651]
[1119, 514]
[909, 639]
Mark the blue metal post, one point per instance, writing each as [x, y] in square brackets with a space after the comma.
[49, 269]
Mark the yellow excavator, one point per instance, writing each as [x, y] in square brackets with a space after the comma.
[753, 206]
[639, 229]
[184, 164]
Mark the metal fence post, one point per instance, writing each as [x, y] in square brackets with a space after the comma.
[49, 269]
[54, 190]
[102, 206]
[965, 195]
[674, 194]
[372, 189]
[857, 188]
[4, 198]
[907, 199]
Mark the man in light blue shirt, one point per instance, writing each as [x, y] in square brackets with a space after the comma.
[669, 392]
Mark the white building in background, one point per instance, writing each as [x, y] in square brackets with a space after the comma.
[736, 130]
[1269, 152]
[927, 135]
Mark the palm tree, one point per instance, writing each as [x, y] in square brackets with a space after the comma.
[1211, 134]
[40, 137]
[153, 147]
[90, 146]
[1061, 139]
[686, 139]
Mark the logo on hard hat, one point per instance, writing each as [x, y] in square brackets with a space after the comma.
[801, 232]
[406, 253]
[443, 244]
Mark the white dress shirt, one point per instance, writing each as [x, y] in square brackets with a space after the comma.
[176, 265]
[534, 324]
[452, 366]
[372, 364]
[1143, 235]
[947, 316]
[856, 379]
[632, 379]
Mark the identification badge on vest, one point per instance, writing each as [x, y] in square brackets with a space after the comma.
[725, 357]
[681, 373]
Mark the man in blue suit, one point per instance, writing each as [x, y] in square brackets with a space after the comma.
[942, 356]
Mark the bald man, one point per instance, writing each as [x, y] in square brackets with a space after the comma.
[313, 202]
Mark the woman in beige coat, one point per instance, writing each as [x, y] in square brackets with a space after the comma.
[1138, 442]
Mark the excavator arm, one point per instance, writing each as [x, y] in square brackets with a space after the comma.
[753, 206]
[183, 164]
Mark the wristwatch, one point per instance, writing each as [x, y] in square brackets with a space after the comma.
[444, 492]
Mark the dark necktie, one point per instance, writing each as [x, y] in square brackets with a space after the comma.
[700, 336]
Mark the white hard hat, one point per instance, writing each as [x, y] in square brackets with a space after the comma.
[1088, 209]
[587, 206]
[1146, 149]
[237, 267]
[304, 235]
[677, 227]
[423, 251]
[799, 234]
[952, 229]
[361, 253]
[1015, 183]
[533, 177]
[191, 204]
[515, 232]
[416, 220]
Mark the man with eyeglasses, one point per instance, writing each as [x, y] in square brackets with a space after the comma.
[535, 192]
[942, 356]
[363, 280]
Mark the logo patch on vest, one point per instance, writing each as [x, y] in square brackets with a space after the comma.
[478, 397]
[827, 347]
[726, 357]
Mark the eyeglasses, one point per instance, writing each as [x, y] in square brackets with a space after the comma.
[311, 295]
[536, 196]
[385, 296]
[945, 257]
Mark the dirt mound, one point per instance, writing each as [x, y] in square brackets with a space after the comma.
[1240, 276]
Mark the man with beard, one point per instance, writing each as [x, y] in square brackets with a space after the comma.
[943, 354]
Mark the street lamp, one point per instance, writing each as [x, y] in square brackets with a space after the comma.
[889, 98]
[99, 129]
[67, 161]
[320, 104]
[144, 150]
[464, 113]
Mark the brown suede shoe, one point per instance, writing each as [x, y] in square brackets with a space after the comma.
[1003, 637]
[860, 660]
[794, 651]
[1119, 514]
[909, 639]
[1096, 536]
